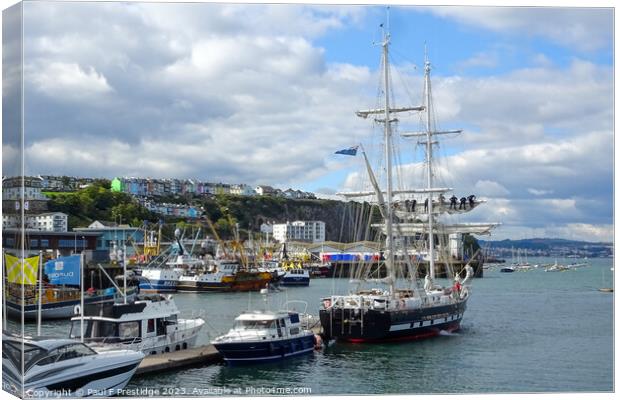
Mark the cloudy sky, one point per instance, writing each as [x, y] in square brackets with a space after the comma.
[264, 94]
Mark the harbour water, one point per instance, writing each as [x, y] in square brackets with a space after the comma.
[532, 331]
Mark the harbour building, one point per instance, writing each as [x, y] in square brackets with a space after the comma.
[304, 231]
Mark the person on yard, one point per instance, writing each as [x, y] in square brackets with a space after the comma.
[426, 205]
[453, 200]
[471, 199]
[463, 203]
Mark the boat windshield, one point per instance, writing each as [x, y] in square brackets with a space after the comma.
[13, 352]
[258, 324]
[94, 329]
[67, 352]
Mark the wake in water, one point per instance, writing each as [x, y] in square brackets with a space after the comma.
[446, 333]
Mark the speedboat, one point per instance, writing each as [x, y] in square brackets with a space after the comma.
[260, 336]
[149, 324]
[64, 368]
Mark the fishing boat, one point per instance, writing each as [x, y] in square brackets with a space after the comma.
[162, 274]
[149, 324]
[60, 368]
[400, 309]
[295, 275]
[263, 336]
[223, 276]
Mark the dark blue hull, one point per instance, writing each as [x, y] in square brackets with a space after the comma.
[59, 309]
[265, 351]
[295, 281]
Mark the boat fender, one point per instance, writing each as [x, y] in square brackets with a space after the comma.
[76, 309]
[318, 342]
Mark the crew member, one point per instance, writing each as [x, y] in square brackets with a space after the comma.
[471, 198]
[453, 200]
[463, 204]
[426, 205]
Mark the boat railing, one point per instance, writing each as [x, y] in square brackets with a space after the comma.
[286, 306]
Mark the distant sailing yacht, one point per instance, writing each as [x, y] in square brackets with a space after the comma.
[406, 313]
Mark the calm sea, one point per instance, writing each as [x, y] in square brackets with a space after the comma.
[529, 331]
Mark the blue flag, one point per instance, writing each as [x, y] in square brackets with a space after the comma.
[351, 151]
[63, 270]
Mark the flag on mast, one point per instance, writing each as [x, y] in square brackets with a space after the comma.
[351, 151]
[21, 270]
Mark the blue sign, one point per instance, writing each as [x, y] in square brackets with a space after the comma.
[63, 270]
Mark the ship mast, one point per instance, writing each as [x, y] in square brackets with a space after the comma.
[388, 165]
[429, 158]
[387, 206]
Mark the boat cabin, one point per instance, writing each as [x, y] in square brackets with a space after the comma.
[265, 325]
[150, 317]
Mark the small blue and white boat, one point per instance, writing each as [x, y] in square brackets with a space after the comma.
[295, 277]
[261, 336]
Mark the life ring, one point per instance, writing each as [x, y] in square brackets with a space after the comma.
[76, 309]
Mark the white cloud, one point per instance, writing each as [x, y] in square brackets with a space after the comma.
[585, 29]
[539, 192]
[67, 80]
[245, 94]
[484, 60]
[582, 232]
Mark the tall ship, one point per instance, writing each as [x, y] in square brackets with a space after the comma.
[413, 241]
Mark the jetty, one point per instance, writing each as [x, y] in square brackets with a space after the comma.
[203, 355]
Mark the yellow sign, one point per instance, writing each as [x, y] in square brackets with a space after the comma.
[20, 270]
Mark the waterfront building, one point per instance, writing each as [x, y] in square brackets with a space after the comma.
[111, 233]
[59, 243]
[305, 231]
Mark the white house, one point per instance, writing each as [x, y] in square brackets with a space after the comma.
[306, 231]
[51, 222]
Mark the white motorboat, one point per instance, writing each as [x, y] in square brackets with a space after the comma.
[63, 368]
[260, 336]
[149, 324]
